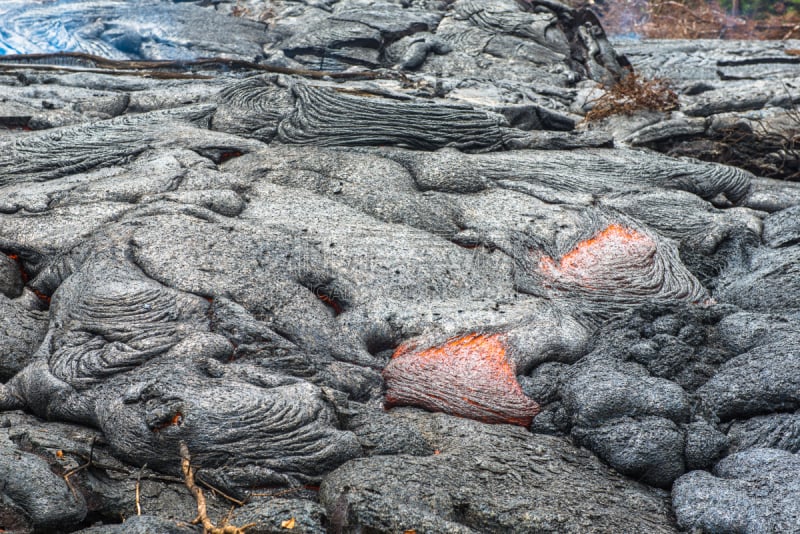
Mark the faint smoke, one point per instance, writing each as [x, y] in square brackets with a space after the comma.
[695, 19]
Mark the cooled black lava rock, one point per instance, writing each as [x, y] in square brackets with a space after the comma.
[750, 491]
[737, 104]
[256, 259]
[495, 478]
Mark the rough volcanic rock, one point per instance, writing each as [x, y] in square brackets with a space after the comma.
[11, 280]
[489, 478]
[22, 328]
[649, 397]
[38, 498]
[124, 352]
[141, 524]
[733, 391]
[737, 103]
[360, 204]
[294, 113]
[763, 279]
[782, 229]
[750, 491]
[275, 515]
[83, 479]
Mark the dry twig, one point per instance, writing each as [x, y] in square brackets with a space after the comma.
[78, 469]
[278, 493]
[202, 512]
[138, 484]
[222, 494]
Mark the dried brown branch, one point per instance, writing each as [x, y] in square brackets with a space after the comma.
[688, 19]
[138, 490]
[631, 94]
[202, 511]
[278, 493]
[222, 494]
[78, 469]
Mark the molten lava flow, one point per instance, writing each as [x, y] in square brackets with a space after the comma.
[331, 302]
[44, 298]
[225, 156]
[22, 272]
[469, 376]
[600, 255]
[26, 277]
[176, 420]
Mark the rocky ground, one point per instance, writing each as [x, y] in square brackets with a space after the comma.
[370, 270]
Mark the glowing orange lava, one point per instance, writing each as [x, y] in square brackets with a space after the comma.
[176, 420]
[487, 347]
[225, 156]
[469, 376]
[23, 273]
[44, 298]
[601, 250]
[330, 302]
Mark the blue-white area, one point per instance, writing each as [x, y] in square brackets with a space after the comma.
[116, 29]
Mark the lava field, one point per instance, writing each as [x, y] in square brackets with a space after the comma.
[361, 266]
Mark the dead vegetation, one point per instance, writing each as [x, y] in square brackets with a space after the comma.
[632, 94]
[261, 12]
[688, 19]
[202, 511]
[761, 148]
[764, 152]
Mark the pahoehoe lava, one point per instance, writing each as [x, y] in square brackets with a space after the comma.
[367, 265]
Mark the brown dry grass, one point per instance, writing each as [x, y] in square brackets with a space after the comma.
[687, 19]
[633, 93]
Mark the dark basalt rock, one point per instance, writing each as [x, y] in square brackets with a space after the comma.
[22, 328]
[101, 492]
[782, 229]
[763, 279]
[137, 357]
[750, 491]
[141, 524]
[737, 103]
[303, 114]
[776, 389]
[775, 431]
[269, 264]
[274, 515]
[39, 499]
[481, 479]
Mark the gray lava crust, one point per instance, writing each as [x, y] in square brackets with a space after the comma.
[356, 209]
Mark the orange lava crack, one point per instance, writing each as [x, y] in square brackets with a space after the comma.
[176, 420]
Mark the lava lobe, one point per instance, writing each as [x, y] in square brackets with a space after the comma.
[469, 376]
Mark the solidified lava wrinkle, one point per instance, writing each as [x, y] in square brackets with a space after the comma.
[27, 277]
[468, 376]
